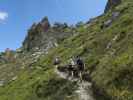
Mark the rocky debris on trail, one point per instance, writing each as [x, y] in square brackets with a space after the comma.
[84, 90]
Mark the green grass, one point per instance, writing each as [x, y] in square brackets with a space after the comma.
[111, 69]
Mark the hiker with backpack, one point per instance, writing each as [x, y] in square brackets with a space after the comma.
[80, 66]
[74, 68]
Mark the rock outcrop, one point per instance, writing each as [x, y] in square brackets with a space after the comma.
[111, 4]
[42, 36]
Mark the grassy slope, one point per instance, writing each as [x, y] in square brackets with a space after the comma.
[38, 84]
[111, 69]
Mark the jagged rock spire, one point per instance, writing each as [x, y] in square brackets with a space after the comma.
[45, 23]
[42, 36]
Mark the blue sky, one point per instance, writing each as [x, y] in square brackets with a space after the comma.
[16, 16]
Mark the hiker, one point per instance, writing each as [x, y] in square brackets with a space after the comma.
[71, 67]
[80, 66]
[74, 68]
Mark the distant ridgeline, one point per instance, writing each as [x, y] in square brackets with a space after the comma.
[43, 36]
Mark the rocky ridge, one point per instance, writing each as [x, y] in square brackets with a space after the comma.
[43, 36]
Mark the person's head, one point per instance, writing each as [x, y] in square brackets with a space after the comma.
[77, 56]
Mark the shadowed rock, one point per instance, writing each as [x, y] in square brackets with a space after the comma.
[111, 4]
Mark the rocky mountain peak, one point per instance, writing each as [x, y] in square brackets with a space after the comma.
[42, 34]
[45, 23]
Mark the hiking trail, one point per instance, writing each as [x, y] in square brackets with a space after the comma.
[84, 90]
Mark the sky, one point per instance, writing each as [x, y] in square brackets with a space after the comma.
[16, 16]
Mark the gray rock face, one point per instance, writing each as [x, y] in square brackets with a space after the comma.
[43, 37]
[111, 4]
[108, 22]
[42, 41]
[115, 15]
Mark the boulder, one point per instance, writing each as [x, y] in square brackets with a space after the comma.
[106, 24]
[115, 15]
[2, 82]
[14, 78]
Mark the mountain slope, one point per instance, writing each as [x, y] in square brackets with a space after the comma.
[105, 44]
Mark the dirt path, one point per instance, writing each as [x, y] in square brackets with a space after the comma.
[84, 90]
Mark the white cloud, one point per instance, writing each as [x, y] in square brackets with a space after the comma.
[3, 16]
